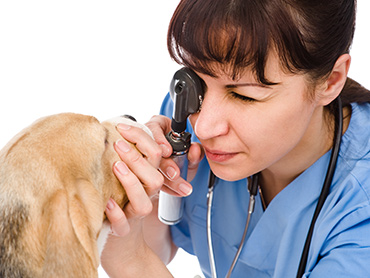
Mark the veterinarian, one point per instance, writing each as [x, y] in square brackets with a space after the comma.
[273, 71]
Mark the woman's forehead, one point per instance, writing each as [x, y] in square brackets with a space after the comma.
[274, 71]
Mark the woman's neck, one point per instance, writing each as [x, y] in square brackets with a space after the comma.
[317, 140]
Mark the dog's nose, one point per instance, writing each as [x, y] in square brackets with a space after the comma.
[129, 117]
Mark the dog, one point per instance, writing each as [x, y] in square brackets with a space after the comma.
[55, 180]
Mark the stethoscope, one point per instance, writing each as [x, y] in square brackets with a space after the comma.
[253, 189]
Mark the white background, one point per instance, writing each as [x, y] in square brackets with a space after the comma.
[101, 58]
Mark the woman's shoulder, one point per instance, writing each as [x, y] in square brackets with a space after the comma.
[350, 190]
[355, 144]
[353, 166]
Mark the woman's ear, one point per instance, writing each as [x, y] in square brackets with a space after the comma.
[336, 80]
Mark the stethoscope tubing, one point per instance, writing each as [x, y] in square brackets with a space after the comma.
[327, 184]
[211, 255]
[253, 188]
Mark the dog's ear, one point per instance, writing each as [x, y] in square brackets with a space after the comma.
[73, 225]
[86, 214]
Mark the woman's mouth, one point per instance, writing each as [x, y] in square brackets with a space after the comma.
[219, 156]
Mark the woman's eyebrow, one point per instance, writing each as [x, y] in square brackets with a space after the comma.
[230, 86]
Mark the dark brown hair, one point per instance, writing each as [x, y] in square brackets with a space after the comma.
[308, 35]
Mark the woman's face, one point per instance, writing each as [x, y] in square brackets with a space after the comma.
[246, 127]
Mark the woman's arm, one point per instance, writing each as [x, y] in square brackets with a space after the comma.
[158, 236]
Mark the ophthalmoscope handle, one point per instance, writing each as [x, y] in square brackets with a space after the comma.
[187, 91]
[170, 208]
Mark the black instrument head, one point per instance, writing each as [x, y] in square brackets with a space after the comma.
[187, 92]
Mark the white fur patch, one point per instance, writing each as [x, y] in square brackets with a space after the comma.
[103, 236]
[127, 121]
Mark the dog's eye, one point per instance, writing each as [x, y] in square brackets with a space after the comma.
[106, 142]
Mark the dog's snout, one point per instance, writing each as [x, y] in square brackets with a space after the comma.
[129, 117]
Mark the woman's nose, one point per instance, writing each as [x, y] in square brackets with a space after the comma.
[211, 121]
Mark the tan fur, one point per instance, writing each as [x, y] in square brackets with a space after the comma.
[55, 180]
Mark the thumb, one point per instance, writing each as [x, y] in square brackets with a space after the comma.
[117, 218]
[195, 156]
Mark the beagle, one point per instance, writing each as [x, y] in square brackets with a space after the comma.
[55, 180]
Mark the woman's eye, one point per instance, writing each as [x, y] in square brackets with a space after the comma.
[241, 97]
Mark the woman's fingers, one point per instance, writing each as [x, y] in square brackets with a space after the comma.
[138, 164]
[147, 156]
[143, 142]
[117, 218]
[177, 189]
[174, 184]
[159, 126]
[140, 204]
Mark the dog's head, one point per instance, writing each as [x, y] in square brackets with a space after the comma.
[57, 173]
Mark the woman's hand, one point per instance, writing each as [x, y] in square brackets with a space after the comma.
[174, 184]
[126, 248]
[139, 175]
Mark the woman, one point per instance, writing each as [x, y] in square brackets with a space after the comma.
[272, 71]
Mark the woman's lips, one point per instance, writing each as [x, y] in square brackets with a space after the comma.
[219, 156]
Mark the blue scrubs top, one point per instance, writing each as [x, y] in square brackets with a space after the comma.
[340, 244]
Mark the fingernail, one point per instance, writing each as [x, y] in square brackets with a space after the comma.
[123, 146]
[123, 127]
[171, 173]
[110, 204]
[185, 189]
[121, 168]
